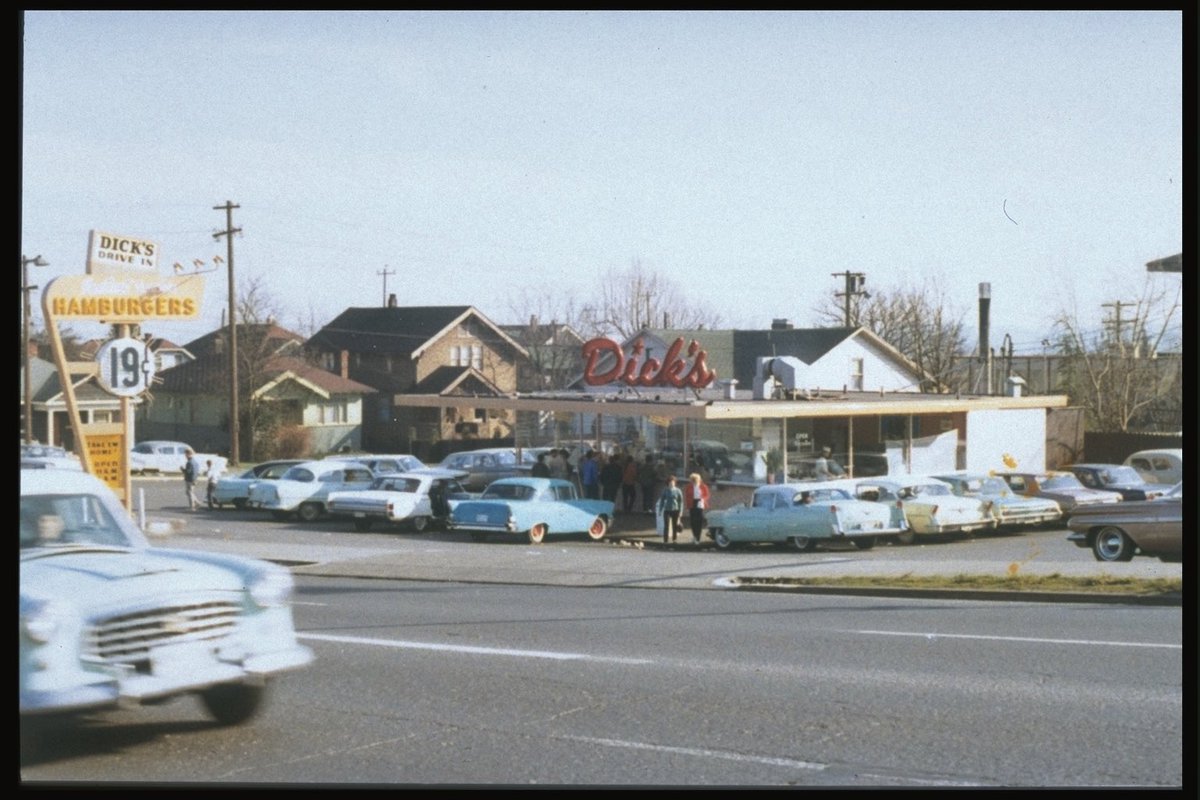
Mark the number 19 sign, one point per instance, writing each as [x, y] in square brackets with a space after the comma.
[125, 367]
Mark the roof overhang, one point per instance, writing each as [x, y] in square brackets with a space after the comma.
[888, 405]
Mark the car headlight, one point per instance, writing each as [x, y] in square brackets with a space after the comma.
[41, 619]
[272, 588]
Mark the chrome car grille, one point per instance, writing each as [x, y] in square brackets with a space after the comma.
[128, 638]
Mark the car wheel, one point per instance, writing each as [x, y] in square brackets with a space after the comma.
[1112, 544]
[805, 544]
[362, 525]
[308, 512]
[239, 503]
[908, 537]
[478, 536]
[598, 529]
[720, 538]
[419, 524]
[537, 533]
[233, 703]
[281, 515]
[864, 542]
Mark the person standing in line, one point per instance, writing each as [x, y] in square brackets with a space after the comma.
[629, 480]
[191, 471]
[610, 477]
[540, 469]
[557, 464]
[648, 480]
[670, 506]
[696, 500]
[589, 476]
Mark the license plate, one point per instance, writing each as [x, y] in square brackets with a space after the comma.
[181, 659]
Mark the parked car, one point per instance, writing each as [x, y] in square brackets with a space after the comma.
[165, 457]
[805, 515]
[235, 490]
[1008, 508]
[534, 508]
[1117, 478]
[1061, 487]
[484, 466]
[1142, 527]
[417, 498]
[48, 456]
[383, 464]
[304, 489]
[107, 620]
[929, 505]
[1158, 466]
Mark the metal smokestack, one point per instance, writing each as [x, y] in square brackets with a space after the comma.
[985, 303]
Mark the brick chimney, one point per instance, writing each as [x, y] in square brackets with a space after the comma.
[344, 368]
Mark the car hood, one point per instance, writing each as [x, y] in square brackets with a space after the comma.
[94, 577]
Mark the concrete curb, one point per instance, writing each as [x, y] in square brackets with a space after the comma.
[1113, 598]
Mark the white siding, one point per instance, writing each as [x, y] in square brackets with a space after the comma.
[1018, 432]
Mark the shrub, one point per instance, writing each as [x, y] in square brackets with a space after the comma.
[290, 441]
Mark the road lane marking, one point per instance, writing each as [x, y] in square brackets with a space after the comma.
[931, 636]
[460, 648]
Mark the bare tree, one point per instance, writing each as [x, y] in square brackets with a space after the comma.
[916, 320]
[637, 298]
[1117, 375]
[552, 329]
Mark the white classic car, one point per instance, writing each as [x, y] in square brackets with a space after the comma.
[929, 505]
[235, 489]
[106, 620]
[167, 457]
[804, 514]
[1009, 509]
[305, 488]
[416, 498]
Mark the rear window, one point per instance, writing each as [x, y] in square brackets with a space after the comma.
[301, 474]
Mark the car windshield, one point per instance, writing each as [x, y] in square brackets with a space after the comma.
[63, 520]
[1062, 482]
[508, 491]
[301, 474]
[994, 486]
[1120, 475]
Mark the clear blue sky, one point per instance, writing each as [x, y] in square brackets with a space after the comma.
[746, 156]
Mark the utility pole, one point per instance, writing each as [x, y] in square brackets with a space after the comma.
[26, 288]
[385, 274]
[234, 431]
[1116, 323]
[854, 284]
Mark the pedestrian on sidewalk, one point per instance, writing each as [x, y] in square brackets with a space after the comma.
[629, 478]
[191, 471]
[589, 476]
[669, 507]
[696, 500]
[213, 474]
[648, 479]
[610, 477]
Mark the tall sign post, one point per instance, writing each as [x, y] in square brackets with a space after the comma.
[122, 286]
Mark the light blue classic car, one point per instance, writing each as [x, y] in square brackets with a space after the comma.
[235, 490]
[804, 514]
[105, 620]
[533, 507]
[1008, 508]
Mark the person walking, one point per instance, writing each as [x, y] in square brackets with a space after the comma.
[629, 480]
[213, 474]
[648, 480]
[669, 507]
[191, 471]
[696, 500]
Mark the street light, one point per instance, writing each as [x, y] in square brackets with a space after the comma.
[37, 261]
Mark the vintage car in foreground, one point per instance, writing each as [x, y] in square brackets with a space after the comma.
[235, 490]
[417, 499]
[533, 508]
[1009, 509]
[804, 514]
[1117, 478]
[1118, 531]
[105, 619]
[1061, 487]
[928, 505]
[304, 489]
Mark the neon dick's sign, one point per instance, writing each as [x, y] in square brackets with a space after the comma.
[605, 362]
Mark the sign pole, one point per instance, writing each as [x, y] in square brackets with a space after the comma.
[127, 419]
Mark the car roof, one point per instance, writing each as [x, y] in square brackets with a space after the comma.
[428, 472]
[44, 481]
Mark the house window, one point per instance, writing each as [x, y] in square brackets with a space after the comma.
[856, 374]
[102, 415]
[328, 362]
[333, 413]
[477, 356]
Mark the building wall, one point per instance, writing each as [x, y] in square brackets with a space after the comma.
[993, 433]
[834, 370]
[496, 363]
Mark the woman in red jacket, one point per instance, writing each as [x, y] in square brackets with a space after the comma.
[695, 499]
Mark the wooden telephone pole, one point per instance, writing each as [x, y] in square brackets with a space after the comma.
[234, 432]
